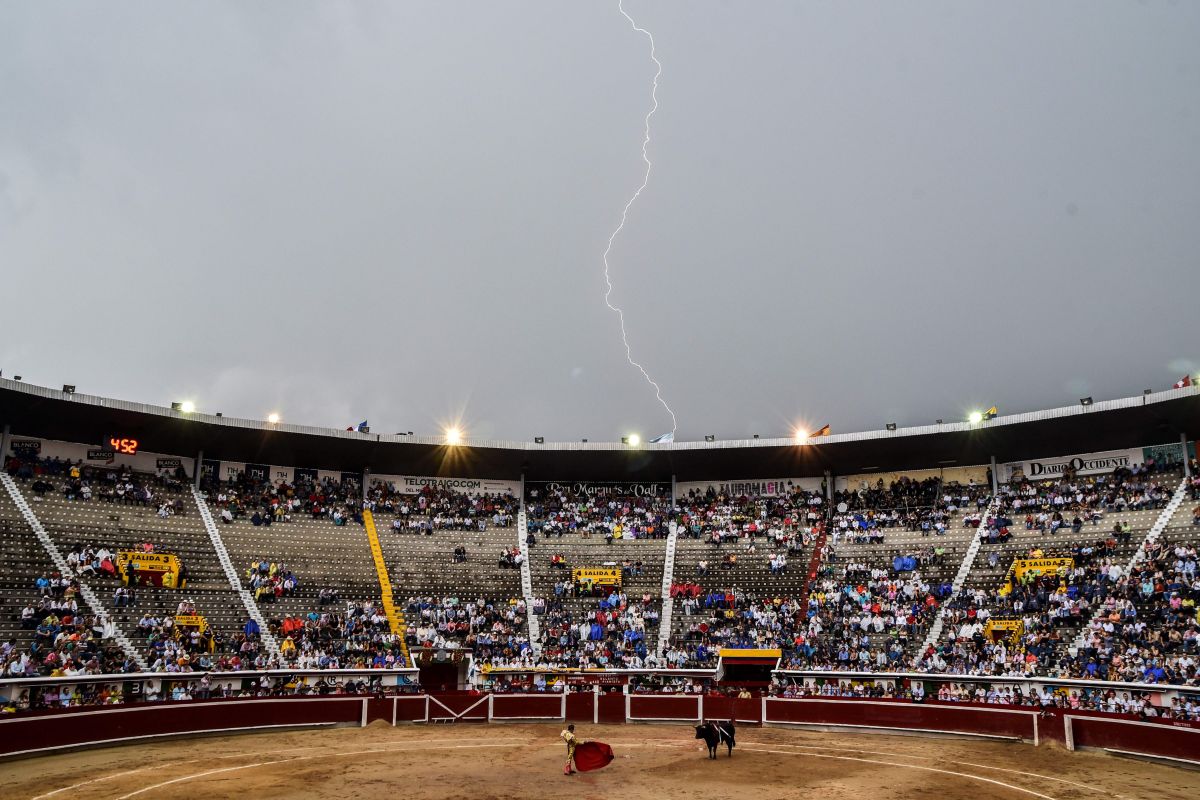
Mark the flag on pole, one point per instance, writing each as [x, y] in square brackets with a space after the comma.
[1183, 382]
[666, 438]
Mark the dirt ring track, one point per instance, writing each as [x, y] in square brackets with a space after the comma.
[519, 761]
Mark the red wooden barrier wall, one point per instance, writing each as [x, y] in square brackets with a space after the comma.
[520, 706]
[743, 711]
[1007, 721]
[1170, 740]
[75, 726]
[610, 708]
[64, 728]
[675, 708]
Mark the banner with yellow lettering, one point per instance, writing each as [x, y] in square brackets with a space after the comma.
[1009, 630]
[1035, 566]
[159, 569]
[191, 621]
[200, 623]
[588, 579]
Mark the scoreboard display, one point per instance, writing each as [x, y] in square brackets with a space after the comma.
[124, 445]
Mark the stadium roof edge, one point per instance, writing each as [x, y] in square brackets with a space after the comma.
[1152, 419]
[860, 436]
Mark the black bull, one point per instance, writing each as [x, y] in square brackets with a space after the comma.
[713, 733]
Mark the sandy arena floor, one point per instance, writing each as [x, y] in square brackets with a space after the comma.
[517, 761]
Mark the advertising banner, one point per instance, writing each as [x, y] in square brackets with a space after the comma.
[1169, 454]
[415, 484]
[25, 448]
[231, 470]
[1085, 464]
[601, 488]
[770, 487]
[258, 472]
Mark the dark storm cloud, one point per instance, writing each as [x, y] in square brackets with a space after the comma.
[859, 213]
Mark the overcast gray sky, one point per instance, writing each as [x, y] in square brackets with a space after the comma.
[858, 213]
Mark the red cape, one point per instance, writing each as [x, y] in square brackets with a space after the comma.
[592, 755]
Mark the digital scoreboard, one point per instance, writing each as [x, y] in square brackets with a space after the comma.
[123, 445]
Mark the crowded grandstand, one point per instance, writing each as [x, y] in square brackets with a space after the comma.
[136, 572]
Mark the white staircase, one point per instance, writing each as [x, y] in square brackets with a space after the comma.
[1139, 555]
[231, 574]
[60, 563]
[960, 578]
[535, 629]
[668, 602]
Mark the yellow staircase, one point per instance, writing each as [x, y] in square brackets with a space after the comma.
[395, 619]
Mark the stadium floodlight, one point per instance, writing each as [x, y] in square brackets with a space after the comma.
[801, 435]
[539, 440]
[634, 440]
[976, 417]
[273, 418]
[891, 426]
[187, 407]
[756, 436]
[453, 436]
[708, 437]
[1144, 391]
[1085, 401]
[68, 388]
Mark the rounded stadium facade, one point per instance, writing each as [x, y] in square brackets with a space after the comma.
[1024, 578]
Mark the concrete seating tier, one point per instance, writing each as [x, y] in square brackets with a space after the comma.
[751, 571]
[22, 561]
[1180, 528]
[126, 527]
[1065, 539]
[578, 610]
[421, 564]
[594, 551]
[1063, 542]
[318, 552]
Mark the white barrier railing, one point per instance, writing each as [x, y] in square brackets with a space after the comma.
[960, 578]
[231, 574]
[1139, 555]
[535, 630]
[668, 602]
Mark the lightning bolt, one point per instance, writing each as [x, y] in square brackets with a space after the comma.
[625, 214]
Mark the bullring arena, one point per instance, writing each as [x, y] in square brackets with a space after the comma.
[418, 616]
[521, 760]
[888, 487]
